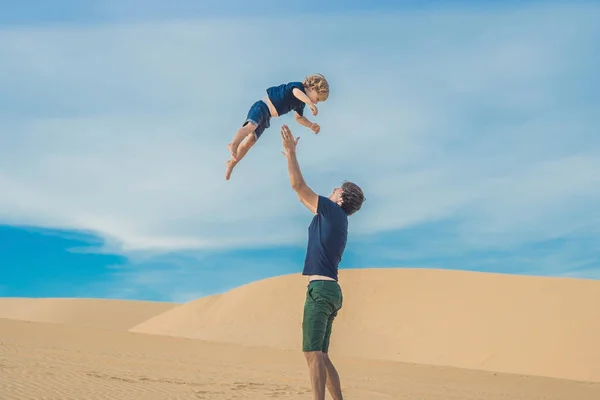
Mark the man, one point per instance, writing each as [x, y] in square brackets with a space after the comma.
[327, 236]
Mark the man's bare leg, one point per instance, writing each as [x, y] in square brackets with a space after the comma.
[241, 152]
[317, 373]
[333, 379]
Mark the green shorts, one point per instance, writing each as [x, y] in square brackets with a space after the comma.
[323, 300]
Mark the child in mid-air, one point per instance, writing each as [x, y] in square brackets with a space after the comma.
[279, 101]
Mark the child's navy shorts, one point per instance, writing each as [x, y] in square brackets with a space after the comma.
[260, 116]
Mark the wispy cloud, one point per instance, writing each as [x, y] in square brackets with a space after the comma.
[184, 276]
[486, 118]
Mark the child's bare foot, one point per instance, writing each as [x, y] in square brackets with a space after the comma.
[232, 150]
[229, 164]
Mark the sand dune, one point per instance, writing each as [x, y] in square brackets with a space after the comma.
[505, 323]
[101, 313]
[264, 313]
[63, 361]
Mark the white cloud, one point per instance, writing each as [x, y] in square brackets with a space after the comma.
[121, 129]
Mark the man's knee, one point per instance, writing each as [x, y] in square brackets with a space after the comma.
[314, 357]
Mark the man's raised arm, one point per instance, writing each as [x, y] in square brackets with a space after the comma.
[309, 198]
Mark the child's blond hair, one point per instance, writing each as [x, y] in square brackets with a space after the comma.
[319, 84]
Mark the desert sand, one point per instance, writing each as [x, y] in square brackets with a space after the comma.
[100, 313]
[402, 334]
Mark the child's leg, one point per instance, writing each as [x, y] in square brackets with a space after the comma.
[241, 152]
[257, 114]
[245, 146]
[242, 133]
[257, 121]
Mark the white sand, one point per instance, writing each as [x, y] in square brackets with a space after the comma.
[504, 323]
[516, 335]
[100, 313]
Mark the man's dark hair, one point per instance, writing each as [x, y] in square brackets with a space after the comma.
[352, 197]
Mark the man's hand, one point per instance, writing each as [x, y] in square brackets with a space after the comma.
[314, 109]
[315, 128]
[288, 141]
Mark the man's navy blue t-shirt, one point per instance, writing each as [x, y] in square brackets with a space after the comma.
[327, 235]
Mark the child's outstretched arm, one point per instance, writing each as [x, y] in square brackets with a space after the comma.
[302, 120]
[304, 98]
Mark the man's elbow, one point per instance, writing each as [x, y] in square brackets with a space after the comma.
[300, 187]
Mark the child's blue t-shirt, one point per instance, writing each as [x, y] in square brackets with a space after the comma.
[283, 98]
[327, 235]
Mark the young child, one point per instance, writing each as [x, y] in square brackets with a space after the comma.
[279, 101]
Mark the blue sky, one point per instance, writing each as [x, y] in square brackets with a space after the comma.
[101, 11]
[116, 118]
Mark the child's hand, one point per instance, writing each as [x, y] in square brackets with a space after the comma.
[314, 109]
[315, 127]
